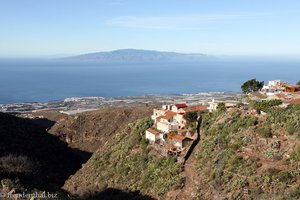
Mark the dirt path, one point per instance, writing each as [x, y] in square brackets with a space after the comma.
[189, 174]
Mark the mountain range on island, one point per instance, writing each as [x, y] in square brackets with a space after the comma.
[139, 55]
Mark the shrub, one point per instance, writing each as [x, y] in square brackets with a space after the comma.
[265, 105]
[295, 193]
[287, 118]
[238, 143]
[191, 119]
[278, 175]
[143, 125]
[15, 164]
[264, 132]
[221, 107]
[296, 155]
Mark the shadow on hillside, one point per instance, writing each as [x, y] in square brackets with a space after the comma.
[116, 194]
[35, 157]
[43, 122]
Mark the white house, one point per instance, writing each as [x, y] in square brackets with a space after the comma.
[176, 107]
[178, 140]
[274, 87]
[152, 135]
[228, 104]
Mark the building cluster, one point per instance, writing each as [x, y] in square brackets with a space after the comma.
[276, 89]
[169, 130]
[278, 86]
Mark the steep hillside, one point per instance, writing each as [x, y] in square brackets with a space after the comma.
[242, 155]
[89, 131]
[32, 157]
[249, 156]
[127, 163]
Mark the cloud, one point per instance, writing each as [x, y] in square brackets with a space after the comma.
[174, 22]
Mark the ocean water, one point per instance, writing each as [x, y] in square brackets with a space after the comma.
[42, 81]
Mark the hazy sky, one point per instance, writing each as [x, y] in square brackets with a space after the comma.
[216, 27]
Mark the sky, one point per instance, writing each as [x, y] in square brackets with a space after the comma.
[213, 27]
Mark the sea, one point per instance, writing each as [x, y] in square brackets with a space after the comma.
[48, 80]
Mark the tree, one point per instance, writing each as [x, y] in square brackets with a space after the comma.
[252, 86]
[298, 83]
[191, 117]
[221, 107]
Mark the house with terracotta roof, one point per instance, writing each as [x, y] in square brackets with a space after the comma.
[196, 108]
[152, 135]
[179, 141]
[291, 88]
[171, 117]
[169, 131]
[176, 107]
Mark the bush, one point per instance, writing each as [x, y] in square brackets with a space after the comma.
[296, 155]
[221, 107]
[191, 119]
[143, 125]
[265, 105]
[295, 193]
[15, 164]
[278, 175]
[287, 118]
[238, 143]
[264, 132]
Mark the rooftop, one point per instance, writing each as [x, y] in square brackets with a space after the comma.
[195, 108]
[182, 105]
[176, 137]
[153, 131]
[168, 115]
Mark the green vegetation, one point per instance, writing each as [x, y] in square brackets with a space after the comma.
[221, 107]
[252, 86]
[286, 118]
[264, 132]
[191, 121]
[296, 155]
[278, 175]
[265, 106]
[125, 163]
[298, 83]
[191, 117]
[231, 153]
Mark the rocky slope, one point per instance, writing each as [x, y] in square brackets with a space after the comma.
[90, 130]
[126, 163]
[249, 156]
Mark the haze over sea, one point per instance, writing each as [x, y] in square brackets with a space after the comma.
[42, 81]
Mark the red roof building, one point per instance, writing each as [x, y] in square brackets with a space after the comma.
[182, 105]
[153, 131]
